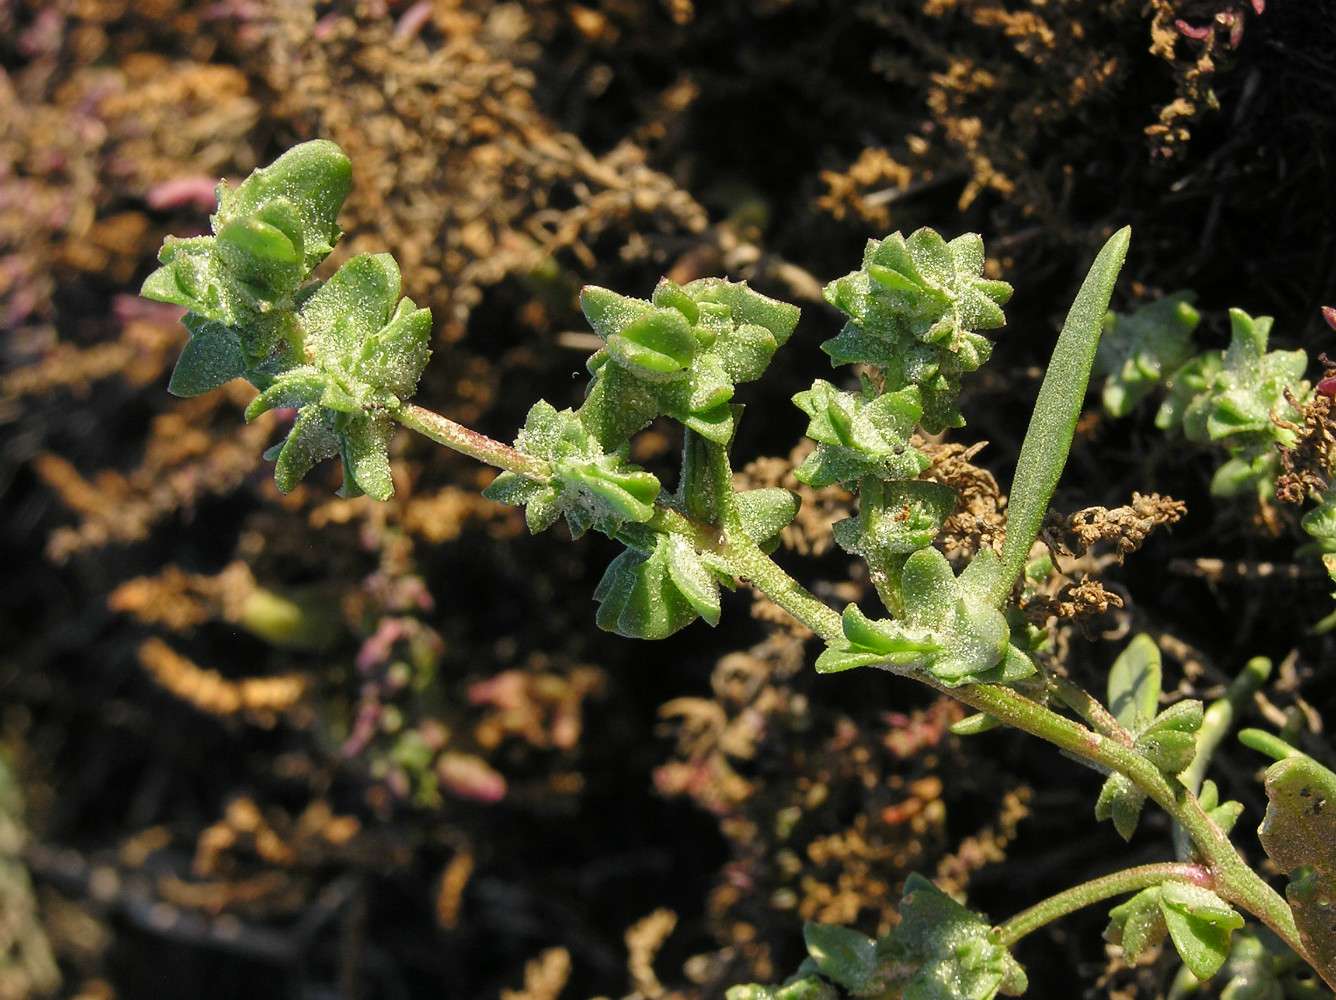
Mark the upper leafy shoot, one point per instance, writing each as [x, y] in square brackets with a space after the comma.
[345, 354]
[857, 437]
[949, 630]
[938, 951]
[269, 234]
[1229, 397]
[914, 308]
[366, 348]
[679, 354]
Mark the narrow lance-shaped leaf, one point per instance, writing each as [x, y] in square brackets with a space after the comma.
[1053, 424]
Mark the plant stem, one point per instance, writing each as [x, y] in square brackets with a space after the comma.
[765, 575]
[1089, 708]
[1234, 879]
[456, 436]
[745, 560]
[1220, 715]
[1105, 887]
[1217, 720]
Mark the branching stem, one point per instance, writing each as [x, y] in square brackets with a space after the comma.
[459, 438]
[1234, 879]
[1097, 890]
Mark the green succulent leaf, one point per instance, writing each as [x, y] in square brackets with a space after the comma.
[941, 951]
[914, 309]
[1228, 398]
[590, 487]
[1170, 740]
[846, 957]
[947, 629]
[652, 593]
[1138, 924]
[1197, 921]
[1223, 814]
[213, 356]
[344, 354]
[1048, 439]
[805, 988]
[1138, 351]
[895, 518]
[857, 437]
[765, 513]
[312, 180]
[268, 236]
[679, 354]
[192, 275]
[1134, 683]
[1120, 801]
[364, 353]
[1200, 924]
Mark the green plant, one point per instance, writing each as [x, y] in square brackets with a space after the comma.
[346, 353]
[1253, 404]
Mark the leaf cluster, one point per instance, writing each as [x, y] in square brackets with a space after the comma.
[343, 353]
[938, 951]
[1222, 398]
[1197, 920]
[915, 308]
[1168, 738]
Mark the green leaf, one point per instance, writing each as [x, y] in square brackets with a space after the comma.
[211, 357]
[1228, 398]
[857, 437]
[895, 518]
[945, 630]
[1200, 924]
[1053, 423]
[344, 353]
[1120, 801]
[364, 447]
[393, 357]
[1222, 814]
[364, 353]
[1139, 351]
[1197, 920]
[350, 308]
[658, 343]
[765, 513]
[844, 956]
[806, 988]
[1299, 835]
[261, 254]
[309, 441]
[1170, 740]
[679, 354]
[268, 235]
[193, 276]
[1138, 924]
[941, 951]
[590, 487]
[1134, 683]
[652, 594]
[314, 178]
